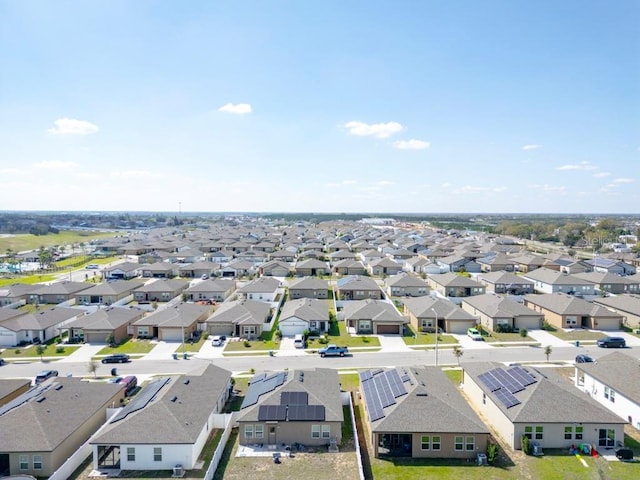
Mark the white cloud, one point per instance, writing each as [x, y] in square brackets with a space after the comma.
[12, 171]
[561, 189]
[411, 144]
[71, 126]
[624, 180]
[379, 130]
[479, 189]
[238, 108]
[531, 147]
[341, 184]
[135, 174]
[385, 182]
[55, 164]
[446, 185]
[578, 166]
[602, 174]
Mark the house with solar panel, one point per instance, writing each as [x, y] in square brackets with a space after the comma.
[166, 424]
[418, 412]
[301, 406]
[540, 405]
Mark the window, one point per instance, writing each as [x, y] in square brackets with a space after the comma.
[143, 331]
[612, 396]
[315, 431]
[427, 324]
[528, 432]
[606, 437]
[248, 431]
[365, 324]
[24, 462]
[568, 433]
[579, 432]
[435, 443]
[37, 462]
[458, 443]
[539, 432]
[157, 454]
[606, 392]
[470, 444]
[131, 454]
[425, 442]
[259, 429]
[326, 431]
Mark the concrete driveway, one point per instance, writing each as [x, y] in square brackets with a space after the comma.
[83, 354]
[545, 338]
[393, 343]
[163, 351]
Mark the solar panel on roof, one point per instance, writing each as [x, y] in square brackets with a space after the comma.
[522, 375]
[506, 380]
[272, 413]
[377, 372]
[258, 388]
[372, 400]
[405, 378]
[294, 398]
[306, 413]
[395, 382]
[366, 375]
[506, 398]
[384, 391]
[142, 399]
[489, 381]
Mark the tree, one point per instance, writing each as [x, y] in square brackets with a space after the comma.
[40, 350]
[547, 351]
[92, 367]
[458, 352]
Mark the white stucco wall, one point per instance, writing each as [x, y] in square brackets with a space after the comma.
[622, 406]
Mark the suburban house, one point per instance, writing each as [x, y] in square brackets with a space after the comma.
[400, 404]
[507, 283]
[416, 265]
[65, 411]
[570, 266]
[384, 266]
[58, 292]
[166, 424]
[18, 292]
[565, 311]
[406, 285]
[349, 267]
[240, 318]
[19, 326]
[456, 263]
[606, 282]
[108, 293]
[216, 290]
[295, 406]
[357, 288]
[373, 317]
[10, 389]
[284, 256]
[176, 323]
[528, 262]
[160, 290]
[199, 269]
[497, 262]
[96, 327]
[551, 281]
[542, 406]
[275, 268]
[309, 287]
[423, 312]
[497, 313]
[303, 314]
[123, 271]
[453, 285]
[613, 381]
[610, 265]
[159, 270]
[238, 268]
[311, 268]
[340, 255]
[626, 305]
[264, 289]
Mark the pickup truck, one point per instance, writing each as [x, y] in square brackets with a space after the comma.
[332, 350]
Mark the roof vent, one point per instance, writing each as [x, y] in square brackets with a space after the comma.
[41, 399]
[59, 386]
[186, 382]
[174, 399]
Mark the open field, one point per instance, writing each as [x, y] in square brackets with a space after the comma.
[20, 243]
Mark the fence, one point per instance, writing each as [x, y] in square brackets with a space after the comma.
[355, 438]
[217, 454]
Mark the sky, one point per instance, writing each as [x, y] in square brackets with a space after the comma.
[425, 106]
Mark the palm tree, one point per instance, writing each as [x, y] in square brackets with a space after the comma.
[458, 352]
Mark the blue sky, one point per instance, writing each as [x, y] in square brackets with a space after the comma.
[327, 106]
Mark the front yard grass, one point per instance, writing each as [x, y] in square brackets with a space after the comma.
[192, 347]
[249, 346]
[572, 335]
[30, 351]
[131, 346]
[409, 338]
[338, 334]
[506, 337]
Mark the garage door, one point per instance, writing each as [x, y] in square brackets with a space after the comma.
[291, 328]
[460, 326]
[171, 335]
[95, 337]
[388, 329]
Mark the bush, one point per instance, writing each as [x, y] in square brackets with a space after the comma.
[523, 332]
[526, 444]
[247, 343]
[60, 349]
[323, 340]
[492, 452]
[504, 329]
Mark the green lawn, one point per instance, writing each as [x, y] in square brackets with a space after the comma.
[192, 347]
[505, 337]
[578, 335]
[409, 338]
[338, 334]
[31, 351]
[350, 382]
[130, 346]
[19, 243]
[28, 279]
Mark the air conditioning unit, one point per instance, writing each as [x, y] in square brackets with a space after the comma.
[178, 471]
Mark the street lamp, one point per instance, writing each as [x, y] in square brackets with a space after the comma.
[436, 320]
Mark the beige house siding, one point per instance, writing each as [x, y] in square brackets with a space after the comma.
[290, 432]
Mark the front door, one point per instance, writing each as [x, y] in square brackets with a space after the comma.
[606, 437]
[272, 434]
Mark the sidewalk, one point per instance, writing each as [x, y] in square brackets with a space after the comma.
[545, 338]
[393, 343]
[163, 351]
[82, 354]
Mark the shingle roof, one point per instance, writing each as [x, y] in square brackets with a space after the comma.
[618, 371]
[564, 304]
[106, 318]
[309, 309]
[246, 312]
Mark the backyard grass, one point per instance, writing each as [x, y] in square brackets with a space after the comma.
[31, 351]
[349, 382]
[338, 334]
[455, 375]
[130, 345]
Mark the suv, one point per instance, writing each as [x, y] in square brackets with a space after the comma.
[584, 359]
[474, 334]
[612, 342]
[218, 340]
[116, 358]
[45, 375]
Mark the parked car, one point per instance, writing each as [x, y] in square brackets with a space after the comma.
[217, 340]
[584, 359]
[611, 342]
[2, 362]
[204, 276]
[117, 358]
[333, 350]
[298, 341]
[45, 375]
[129, 384]
[474, 334]
[114, 380]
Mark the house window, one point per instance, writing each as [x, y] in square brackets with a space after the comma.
[606, 437]
[24, 462]
[425, 442]
[606, 392]
[315, 431]
[143, 331]
[568, 433]
[365, 324]
[326, 431]
[157, 454]
[435, 443]
[539, 432]
[612, 396]
[259, 429]
[37, 462]
[248, 431]
[131, 454]
[528, 432]
[458, 443]
[427, 324]
[470, 444]
[579, 431]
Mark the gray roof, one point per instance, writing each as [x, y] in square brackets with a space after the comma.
[618, 371]
[163, 285]
[564, 304]
[124, 267]
[309, 283]
[167, 421]
[245, 312]
[553, 277]
[551, 399]
[49, 422]
[180, 315]
[62, 288]
[453, 280]
[621, 303]
[421, 307]
[357, 282]
[428, 390]
[112, 288]
[213, 285]
[261, 285]
[506, 278]
[495, 306]
[375, 310]
[405, 280]
[599, 278]
[41, 319]
[10, 385]
[106, 319]
[310, 309]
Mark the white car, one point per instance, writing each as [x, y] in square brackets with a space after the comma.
[474, 334]
[217, 341]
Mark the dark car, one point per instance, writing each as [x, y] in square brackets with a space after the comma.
[45, 375]
[584, 359]
[612, 342]
[2, 362]
[117, 358]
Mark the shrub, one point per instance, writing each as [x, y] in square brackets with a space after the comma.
[492, 452]
[60, 349]
[247, 343]
[323, 340]
[279, 334]
[523, 332]
[504, 329]
[526, 444]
